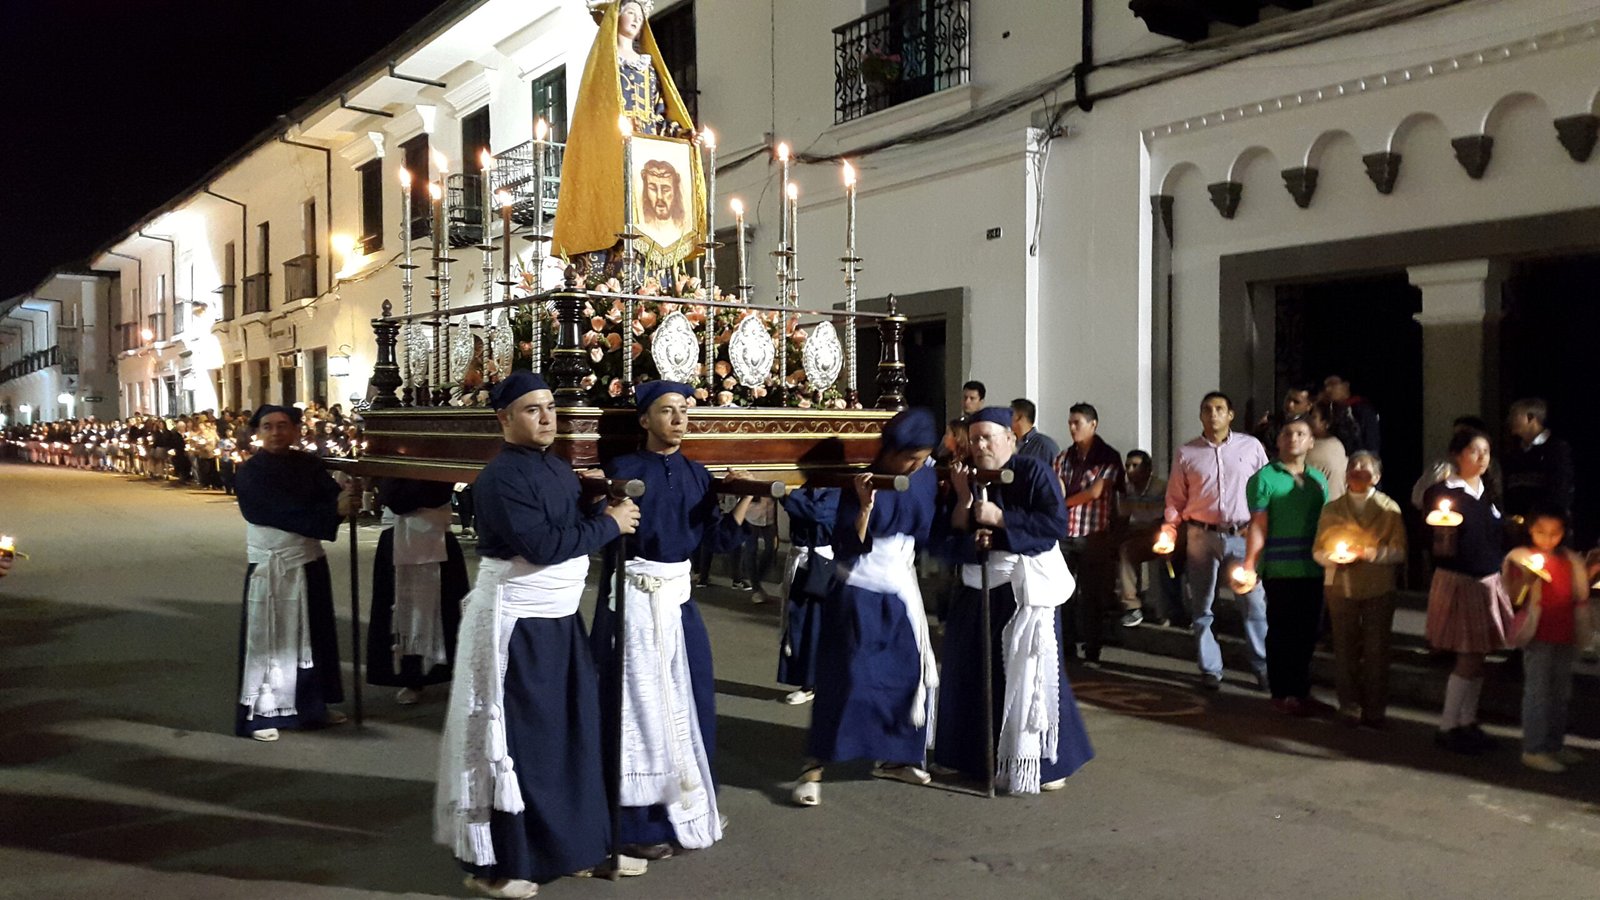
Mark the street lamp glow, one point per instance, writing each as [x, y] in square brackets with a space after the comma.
[146, 335]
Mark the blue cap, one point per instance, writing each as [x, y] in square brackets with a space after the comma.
[911, 429]
[292, 412]
[999, 415]
[513, 386]
[650, 391]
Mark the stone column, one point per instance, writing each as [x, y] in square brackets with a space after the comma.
[1457, 299]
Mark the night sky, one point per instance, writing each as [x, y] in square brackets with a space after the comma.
[114, 107]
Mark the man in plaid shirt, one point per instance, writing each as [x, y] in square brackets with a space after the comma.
[1091, 478]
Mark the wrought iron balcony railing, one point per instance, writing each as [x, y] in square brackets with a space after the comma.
[910, 49]
[33, 362]
[300, 277]
[228, 293]
[513, 172]
[256, 297]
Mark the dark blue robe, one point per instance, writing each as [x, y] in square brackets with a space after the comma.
[812, 512]
[1036, 517]
[677, 513]
[528, 505]
[403, 496]
[868, 666]
[293, 492]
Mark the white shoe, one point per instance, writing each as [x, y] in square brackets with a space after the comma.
[1543, 762]
[512, 888]
[267, 735]
[806, 793]
[908, 774]
[1056, 785]
[796, 698]
[334, 717]
[627, 867]
[408, 696]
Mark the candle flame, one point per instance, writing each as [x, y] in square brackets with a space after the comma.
[504, 198]
[1341, 549]
[435, 191]
[709, 138]
[794, 191]
[737, 205]
[783, 152]
[7, 542]
[485, 161]
[1239, 573]
[1444, 506]
[541, 129]
[405, 176]
[625, 125]
[849, 175]
[1536, 561]
[441, 162]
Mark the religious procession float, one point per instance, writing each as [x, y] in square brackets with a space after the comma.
[620, 288]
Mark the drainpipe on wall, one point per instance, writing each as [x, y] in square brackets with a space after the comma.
[244, 237]
[327, 184]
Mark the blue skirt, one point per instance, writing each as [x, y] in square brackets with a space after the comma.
[649, 824]
[868, 670]
[315, 687]
[552, 715]
[959, 742]
[802, 631]
[453, 588]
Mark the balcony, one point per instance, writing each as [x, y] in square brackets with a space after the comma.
[300, 277]
[910, 49]
[256, 298]
[33, 362]
[513, 172]
[228, 294]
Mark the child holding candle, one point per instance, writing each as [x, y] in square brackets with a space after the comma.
[1468, 610]
[1553, 623]
[1361, 541]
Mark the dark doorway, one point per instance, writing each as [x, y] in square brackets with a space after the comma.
[1363, 330]
[925, 365]
[1547, 350]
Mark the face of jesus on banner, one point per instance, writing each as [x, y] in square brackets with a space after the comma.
[662, 195]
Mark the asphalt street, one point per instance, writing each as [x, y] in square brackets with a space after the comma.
[120, 776]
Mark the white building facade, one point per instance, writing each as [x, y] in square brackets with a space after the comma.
[1134, 254]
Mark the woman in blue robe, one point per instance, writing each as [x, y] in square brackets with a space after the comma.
[876, 685]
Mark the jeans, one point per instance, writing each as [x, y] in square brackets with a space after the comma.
[1208, 552]
[1362, 630]
[755, 556]
[1546, 694]
[1093, 560]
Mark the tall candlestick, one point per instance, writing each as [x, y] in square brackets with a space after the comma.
[540, 131]
[783, 219]
[709, 139]
[625, 126]
[851, 261]
[437, 193]
[794, 243]
[743, 286]
[442, 330]
[485, 216]
[406, 375]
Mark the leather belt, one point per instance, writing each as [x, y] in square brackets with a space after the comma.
[1230, 530]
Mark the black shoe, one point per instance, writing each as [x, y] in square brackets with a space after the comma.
[1476, 737]
[1263, 684]
[648, 851]
[1211, 682]
[1457, 740]
[1091, 654]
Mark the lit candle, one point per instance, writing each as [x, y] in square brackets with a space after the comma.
[849, 211]
[1163, 547]
[1341, 553]
[506, 203]
[442, 163]
[1444, 516]
[437, 193]
[709, 139]
[541, 130]
[738, 225]
[8, 545]
[625, 126]
[1244, 579]
[783, 223]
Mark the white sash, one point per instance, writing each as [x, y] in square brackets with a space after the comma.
[417, 625]
[664, 758]
[890, 567]
[475, 772]
[799, 558]
[276, 641]
[1031, 720]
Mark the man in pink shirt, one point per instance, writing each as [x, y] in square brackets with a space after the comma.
[1206, 497]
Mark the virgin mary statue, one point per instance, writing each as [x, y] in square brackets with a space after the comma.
[624, 76]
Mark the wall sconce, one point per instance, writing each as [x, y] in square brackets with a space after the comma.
[339, 363]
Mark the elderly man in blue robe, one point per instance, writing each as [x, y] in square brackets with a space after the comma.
[521, 797]
[1012, 530]
[669, 710]
[289, 649]
[877, 680]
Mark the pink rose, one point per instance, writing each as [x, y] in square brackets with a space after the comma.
[838, 404]
[596, 354]
[614, 341]
[615, 387]
[526, 347]
[805, 403]
[588, 309]
[723, 369]
[700, 393]
[725, 398]
[758, 392]
[667, 309]
[729, 383]
[593, 339]
[696, 318]
[588, 382]
[638, 328]
[646, 319]
[637, 349]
